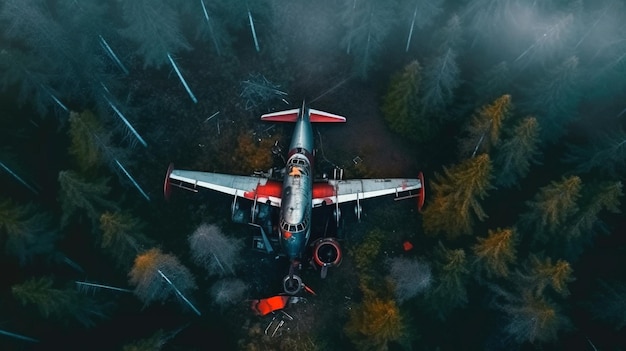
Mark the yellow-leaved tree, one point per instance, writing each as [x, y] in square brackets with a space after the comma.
[456, 195]
[496, 252]
[374, 323]
[484, 129]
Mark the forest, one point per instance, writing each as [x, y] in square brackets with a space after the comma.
[514, 110]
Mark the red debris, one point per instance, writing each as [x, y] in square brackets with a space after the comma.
[407, 246]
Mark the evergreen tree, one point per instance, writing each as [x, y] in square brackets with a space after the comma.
[374, 323]
[492, 83]
[423, 12]
[214, 251]
[153, 343]
[496, 252]
[606, 153]
[58, 303]
[483, 131]
[156, 276]
[154, 25]
[555, 98]
[32, 78]
[441, 78]
[399, 103]
[449, 290]
[549, 42]
[77, 194]
[582, 226]
[539, 273]
[122, 237]
[551, 207]
[530, 317]
[369, 22]
[84, 132]
[514, 156]
[608, 303]
[456, 196]
[25, 231]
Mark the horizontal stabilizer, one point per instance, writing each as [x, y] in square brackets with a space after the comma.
[282, 116]
[324, 117]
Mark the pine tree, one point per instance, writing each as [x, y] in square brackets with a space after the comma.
[517, 152]
[214, 251]
[551, 207]
[608, 303]
[154, 25]
[483, 131]
[606, 153]
[122, 237]
[554, 98]
[25, 231]
[369, 22]
[492, 83]
[400, 101]
[423, 12]
[157, 276]
[496, 252]
[582, 226]
[441, 78]
[84, 146]
[530, 317]
[456, 196]
[77, 194]
[153, 343]
[58, 303]
[374, 323]
[441, 74]
[539, 273]
[451, 273]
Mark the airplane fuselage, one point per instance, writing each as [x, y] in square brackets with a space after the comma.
[295, 210]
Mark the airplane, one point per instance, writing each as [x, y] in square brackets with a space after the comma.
[295, 196]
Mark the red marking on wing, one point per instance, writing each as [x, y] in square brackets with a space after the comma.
[320, 116]
[323, 191]
[287, 117]
[271, 188]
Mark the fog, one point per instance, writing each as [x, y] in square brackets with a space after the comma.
[98, 97]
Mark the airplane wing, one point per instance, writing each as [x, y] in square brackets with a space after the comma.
[340, 191]
[262, 189]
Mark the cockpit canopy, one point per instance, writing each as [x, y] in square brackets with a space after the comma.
[294, 227]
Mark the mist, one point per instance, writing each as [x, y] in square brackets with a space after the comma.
[514, 110]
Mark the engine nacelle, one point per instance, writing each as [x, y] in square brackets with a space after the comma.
[326, 253]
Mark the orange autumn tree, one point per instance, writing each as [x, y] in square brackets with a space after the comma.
[156, 276]
[551, 208]
[456, 195]
[374, 323]
[540, 273]
[483, 131]
[529, 317]
[253, 154]
[496, 252]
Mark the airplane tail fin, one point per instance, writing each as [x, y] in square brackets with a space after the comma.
[315, 116]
